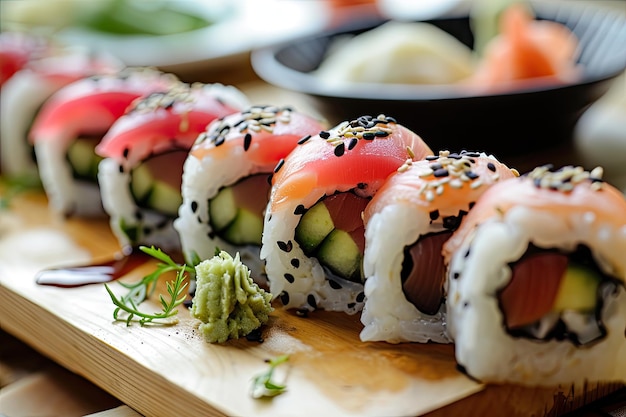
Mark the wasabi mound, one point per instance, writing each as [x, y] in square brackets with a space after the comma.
[227, 301]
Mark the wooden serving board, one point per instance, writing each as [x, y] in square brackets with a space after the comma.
[156, 368]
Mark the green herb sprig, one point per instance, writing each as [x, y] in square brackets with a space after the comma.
[140, 291]
[263, 385]
[16, 185]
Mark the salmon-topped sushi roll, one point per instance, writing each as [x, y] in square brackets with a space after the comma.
[28, 89]
[313, 237]
[225, 185]
[406, 224]
[144, 151]
[70, 125]
[536, 281]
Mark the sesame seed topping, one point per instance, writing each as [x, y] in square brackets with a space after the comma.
[565, 179]
[253, 120]
[364, 127]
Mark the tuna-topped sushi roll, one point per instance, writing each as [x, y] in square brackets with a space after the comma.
[225, 185]
[536, 281]
[313, 237]
[16, 50]
[144, 151]
[406, 224]
[26, 91]
[70, 125]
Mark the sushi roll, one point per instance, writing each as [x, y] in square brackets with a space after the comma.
[28, 89]
[536, 281]
[406, 224]
[313, 233]
[144, 151]
[70, 125]
[225, 186]
[16, 50]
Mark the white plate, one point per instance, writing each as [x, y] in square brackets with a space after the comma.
[244, 25]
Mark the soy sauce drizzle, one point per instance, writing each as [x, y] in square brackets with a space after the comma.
[122, 263]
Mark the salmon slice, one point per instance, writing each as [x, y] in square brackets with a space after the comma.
[533, 288]
[423, 273]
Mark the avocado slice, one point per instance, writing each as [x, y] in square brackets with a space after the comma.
[340, 253]
[246, 228]
[222, 209]
[315, 225]
[578, 289]
[164, 198]
[83, 159]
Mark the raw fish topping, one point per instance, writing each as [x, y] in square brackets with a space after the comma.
[253, 120]
[364, 127]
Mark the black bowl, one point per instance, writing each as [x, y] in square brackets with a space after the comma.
[446, 117]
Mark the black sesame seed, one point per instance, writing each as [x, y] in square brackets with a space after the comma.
[467, 253]
[279, 165]
[451, 222]
[334, 285]
[471, 175]
[390, 119]
[247, 140]
[491, 167]
[381, 134]
[121, 168]
[441, 173]
[434, 215]
[360, 297]
[435, 166]
[125, 153]
[285, 246]
[304, 139]
[340, 149]
[220, 141]
[432, 157]
[456, 275]
[310, 299]
[369, 136]
[211, 235]
[255, 335]
[361, 186]
[269, 179]
[194, 206]
[324, 134]
[471, 204]
[352, 143]
[138, 214]
[295, 262]
[351, 305]
[284, 297]
[299, 210]
[199, 219]
[290, 278]
[465, 304]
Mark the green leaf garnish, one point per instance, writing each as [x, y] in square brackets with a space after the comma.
[140, 291]
[15, 185]
[263, 385]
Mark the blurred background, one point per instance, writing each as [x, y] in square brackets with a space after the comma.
[284, 52]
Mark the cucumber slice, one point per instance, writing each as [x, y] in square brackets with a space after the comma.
[246, 229]
[578, 289]
[341, 254]
[313, 228]
[164, 198]
[222, 209]
[141, 183]
[81, 156]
